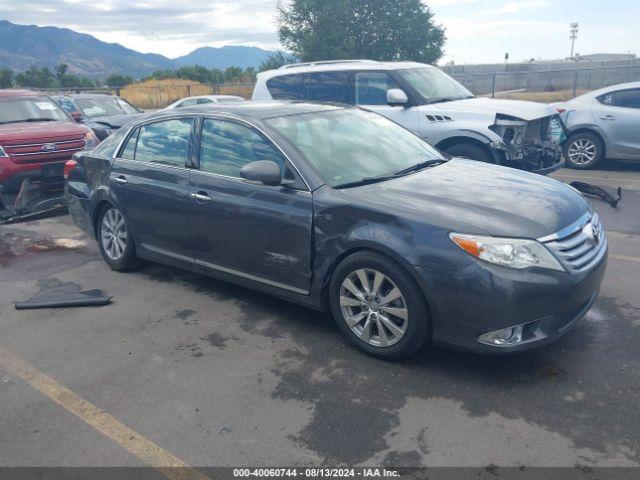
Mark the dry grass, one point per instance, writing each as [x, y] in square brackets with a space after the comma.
[160, 93]
[543, 97]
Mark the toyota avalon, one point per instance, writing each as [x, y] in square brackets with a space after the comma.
[341, 209]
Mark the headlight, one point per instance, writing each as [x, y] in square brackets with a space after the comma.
[90, 141]
[507, 252]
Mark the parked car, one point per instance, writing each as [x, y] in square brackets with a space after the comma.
[424, 99]
[603, 124]
[37, 137]
[342, 209]
[101, 112]
[204, 99]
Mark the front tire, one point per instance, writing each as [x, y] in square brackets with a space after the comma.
[378, 306]
[115, 240]
[583, 151]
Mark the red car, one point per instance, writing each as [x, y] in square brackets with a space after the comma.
[37, 137]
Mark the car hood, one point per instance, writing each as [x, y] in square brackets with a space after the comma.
[477, 198]
[114, 121]
[30, 132]
[480, 105]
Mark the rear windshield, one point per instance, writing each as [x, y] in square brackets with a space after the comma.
[30, 109]
[102, 107]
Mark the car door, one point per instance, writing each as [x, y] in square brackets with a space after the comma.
[259, 232]
[370, 92]
[618, 115]
[150, 181]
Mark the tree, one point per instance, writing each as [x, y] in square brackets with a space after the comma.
[275, 61]
[118, 80]
[36, 77]
[61, 71]
[371, 29]
[6, 78]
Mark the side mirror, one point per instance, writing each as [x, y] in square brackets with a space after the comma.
[397, 98]
[77, 116]
[262, 171]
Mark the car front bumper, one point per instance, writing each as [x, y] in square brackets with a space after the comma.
[483, 298]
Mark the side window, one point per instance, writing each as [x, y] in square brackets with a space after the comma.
[622, 98]
[627, 98]
[129, 151]
[329, 87]
[189, 102]
[165, 142]
[202, 101]
[227, 147]
[286, 87]
[372, 87]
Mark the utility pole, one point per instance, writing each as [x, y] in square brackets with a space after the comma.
[573, 34]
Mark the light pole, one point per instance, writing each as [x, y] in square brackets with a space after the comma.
[573, 30]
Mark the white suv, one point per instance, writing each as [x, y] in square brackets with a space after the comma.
[427, 101]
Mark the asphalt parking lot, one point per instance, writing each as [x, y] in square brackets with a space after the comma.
[212, 374]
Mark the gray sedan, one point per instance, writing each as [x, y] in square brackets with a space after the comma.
[603, 124]
[341, 209]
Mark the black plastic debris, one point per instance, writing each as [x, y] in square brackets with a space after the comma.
[597, 192]
[65, 299]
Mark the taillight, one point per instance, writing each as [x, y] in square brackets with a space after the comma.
[68, 168]
[561, 110]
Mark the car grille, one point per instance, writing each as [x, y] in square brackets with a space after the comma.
[45, 151]
[581, 246]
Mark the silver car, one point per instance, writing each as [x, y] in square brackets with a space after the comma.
[603, 124]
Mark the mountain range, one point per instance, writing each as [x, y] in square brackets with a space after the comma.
[24, 45]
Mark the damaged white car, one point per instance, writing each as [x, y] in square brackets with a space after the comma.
[425, 100]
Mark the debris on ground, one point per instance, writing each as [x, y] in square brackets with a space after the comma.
[597, 192]
[65, 299]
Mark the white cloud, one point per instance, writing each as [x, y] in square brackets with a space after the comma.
[514, 7]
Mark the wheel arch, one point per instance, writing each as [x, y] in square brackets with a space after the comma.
[464, 139]
[378, 250]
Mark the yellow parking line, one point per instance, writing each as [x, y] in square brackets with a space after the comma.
[147, 451]
[625, 257]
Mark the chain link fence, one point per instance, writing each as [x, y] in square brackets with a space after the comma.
[551, 85]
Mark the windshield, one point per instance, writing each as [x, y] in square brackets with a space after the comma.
[347, 146]
[100, 107]
[30, 109]
[434, 85]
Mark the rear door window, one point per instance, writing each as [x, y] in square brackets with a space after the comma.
[629, 98]
[165, 142]
[330, 87]
[372, 87]
[286, 87]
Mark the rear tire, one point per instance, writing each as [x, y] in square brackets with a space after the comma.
[469, 151]
[388, 317]
[583, 151]
[115, 240]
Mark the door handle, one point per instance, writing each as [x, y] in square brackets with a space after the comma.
[201, 197]
[120, 180]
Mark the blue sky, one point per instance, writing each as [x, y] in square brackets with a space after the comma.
[478, 31]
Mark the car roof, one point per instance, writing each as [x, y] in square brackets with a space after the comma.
[251, 110]
[339, 65]
[9, 93]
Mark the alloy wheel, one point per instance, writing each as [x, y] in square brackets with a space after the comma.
[582, 151]
[373, 307]
[113, 233]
